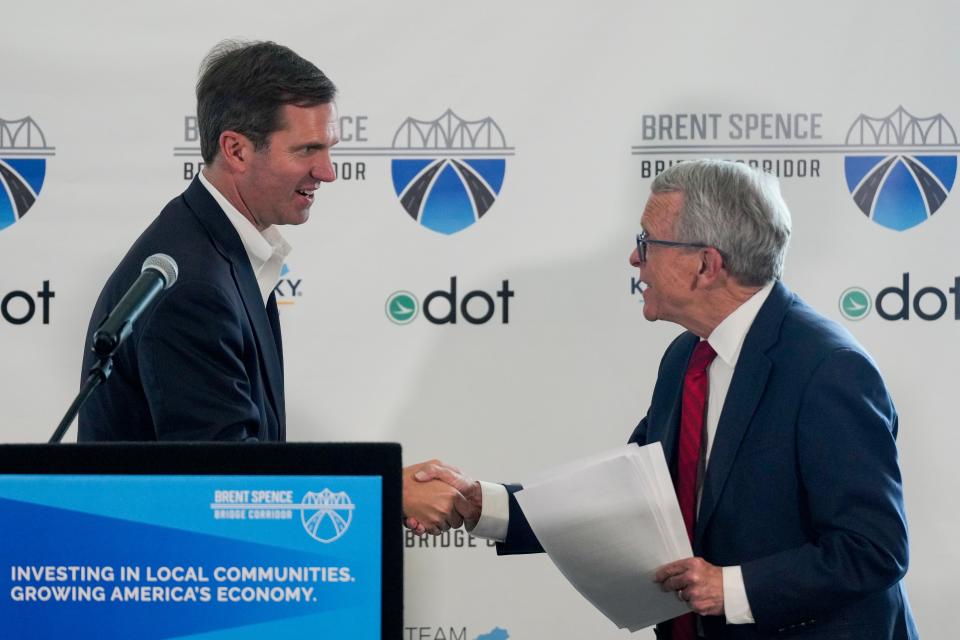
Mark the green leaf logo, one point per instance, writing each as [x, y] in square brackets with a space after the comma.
[402, 307]
[855, 303]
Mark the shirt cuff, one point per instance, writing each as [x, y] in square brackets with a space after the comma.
[735, 604]
[494, 514]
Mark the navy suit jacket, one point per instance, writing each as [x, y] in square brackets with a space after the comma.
[803, 488]
[205, 361]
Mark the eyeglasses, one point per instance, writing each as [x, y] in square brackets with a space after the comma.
[643, 241]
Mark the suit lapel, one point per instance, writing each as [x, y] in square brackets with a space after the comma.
[274, 318]
[746, 389]
[667, 430]
[227, 242]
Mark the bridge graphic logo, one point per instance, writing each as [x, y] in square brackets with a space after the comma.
[448, 172]
[903, 167]
[23, 166]
[326, 515]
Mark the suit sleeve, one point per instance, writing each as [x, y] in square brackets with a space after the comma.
[639, 435]
[520, 536]
[847, 460]
[190, 357]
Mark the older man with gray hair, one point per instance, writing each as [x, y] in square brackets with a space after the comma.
[777, 426]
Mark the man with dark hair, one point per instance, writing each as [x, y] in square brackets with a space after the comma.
[205, 361]
[776, 424]
[242, 87]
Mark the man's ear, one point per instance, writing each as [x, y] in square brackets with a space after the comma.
[235, 151]
[711, 266]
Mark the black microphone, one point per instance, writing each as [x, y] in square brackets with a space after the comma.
[159, 272]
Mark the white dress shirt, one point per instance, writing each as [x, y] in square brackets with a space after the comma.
[267, 250]
[727, 340]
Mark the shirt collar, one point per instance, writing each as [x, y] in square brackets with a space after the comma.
[259, 245]
[727, 338]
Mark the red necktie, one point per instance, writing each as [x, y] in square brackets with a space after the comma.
[696, 385]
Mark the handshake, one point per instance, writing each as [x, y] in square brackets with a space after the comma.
[438, 497]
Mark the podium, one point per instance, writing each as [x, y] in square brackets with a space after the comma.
[213, 541]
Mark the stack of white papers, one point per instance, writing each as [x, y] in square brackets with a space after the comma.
[608, 522]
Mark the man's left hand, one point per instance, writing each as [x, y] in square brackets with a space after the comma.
[697, 582]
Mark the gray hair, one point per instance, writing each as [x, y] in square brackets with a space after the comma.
[734, 208]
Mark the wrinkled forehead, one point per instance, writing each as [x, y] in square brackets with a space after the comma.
[661, 212]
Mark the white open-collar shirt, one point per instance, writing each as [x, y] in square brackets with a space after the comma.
[267, 249]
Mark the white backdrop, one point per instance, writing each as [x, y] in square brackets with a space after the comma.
[570, 86]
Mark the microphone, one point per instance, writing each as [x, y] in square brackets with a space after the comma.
[159, 272]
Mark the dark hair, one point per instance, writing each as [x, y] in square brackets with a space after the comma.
[243, 85]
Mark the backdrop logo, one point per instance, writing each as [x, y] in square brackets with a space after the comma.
[855, 303]
[287, 289]
[905, 167]
[786, 144]
[402, 307]
[19, 307]
[353, 129]
[903, 301]
[448, 306]
[23, 166]
[450, 170]
[636, 288]
[449, 539]
[326, 515]
[898, 168]
[453, 633]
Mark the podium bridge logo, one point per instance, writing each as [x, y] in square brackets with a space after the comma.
[325, 515]
[23, 167]
[448, 172]
[904, 169]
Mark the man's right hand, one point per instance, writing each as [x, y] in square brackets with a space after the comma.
[468, 498]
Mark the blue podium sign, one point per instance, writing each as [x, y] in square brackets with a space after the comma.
[190, 556]
[90, 555]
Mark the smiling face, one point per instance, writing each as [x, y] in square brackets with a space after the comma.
[278, 183]
[669, 273]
